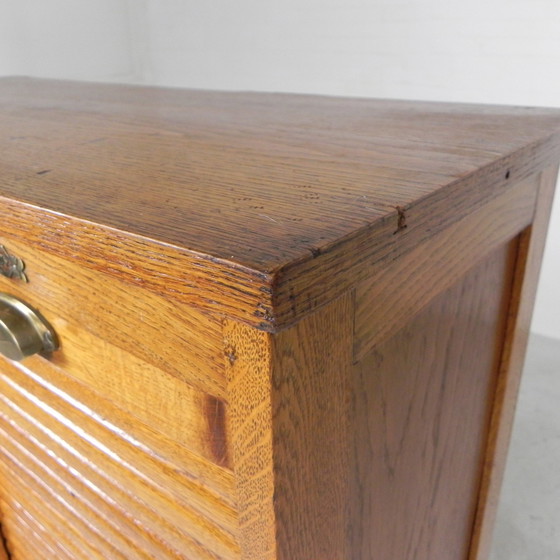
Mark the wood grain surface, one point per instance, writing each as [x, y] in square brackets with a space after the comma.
[127, 487]
[199, 281]
[423, 400]
[158, 362]
[88, 304]
[312, 423]
[290, 395]
[257, 191]
[291, 326]
[527, 269]
[248, 359]
[399, 289]
[3, 539]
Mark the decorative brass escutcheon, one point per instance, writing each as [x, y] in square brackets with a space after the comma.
[23, 330]
[11, 266]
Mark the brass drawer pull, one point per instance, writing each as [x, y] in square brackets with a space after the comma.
[23, 330]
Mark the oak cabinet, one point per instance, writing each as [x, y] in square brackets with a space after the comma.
[286, 327]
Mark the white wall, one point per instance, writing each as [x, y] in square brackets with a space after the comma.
[504, 51]
[499, 51]
[79, 39]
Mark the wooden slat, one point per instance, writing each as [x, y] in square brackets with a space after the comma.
[519, 319]
[30, 545]
[399, 289]
[167, 526]
[422, 403]
[73, 491]
[20, 471]
[213, 479]
[98, 491]
[174, 338]
[30, 539]
[163, 520]
[146, 488]
[20, 484]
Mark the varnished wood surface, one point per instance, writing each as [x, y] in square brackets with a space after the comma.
[527, 269]
[171, 337]
[158, 362]
[196, 280]
[259, 192]
[386, 301]
[312, 427]
[66, 460]
[290, 430]
[423, 400]
[3, 539]
[247, 352]
[281, 320]
[30, 539]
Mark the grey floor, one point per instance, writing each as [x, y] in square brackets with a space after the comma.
[528, 523]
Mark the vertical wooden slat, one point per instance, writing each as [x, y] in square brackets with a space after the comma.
[248, 368]
[290, 399]
[312, 431]
[531, 247]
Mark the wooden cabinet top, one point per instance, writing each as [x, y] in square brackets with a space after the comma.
[260, 206]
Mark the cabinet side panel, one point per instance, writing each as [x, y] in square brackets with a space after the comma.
[527, 269]
[422, 410]
[436, 264]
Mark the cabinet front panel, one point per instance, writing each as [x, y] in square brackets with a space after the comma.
[115, 445]
[97, 490]
[178, 339]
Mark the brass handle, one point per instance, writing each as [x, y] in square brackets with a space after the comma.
[23, 330]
